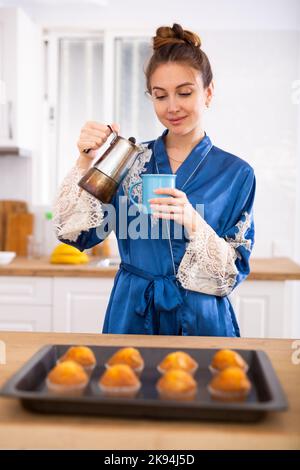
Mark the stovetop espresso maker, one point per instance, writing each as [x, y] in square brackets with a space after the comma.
[103, 179]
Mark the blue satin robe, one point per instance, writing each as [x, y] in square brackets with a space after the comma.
[146, 297]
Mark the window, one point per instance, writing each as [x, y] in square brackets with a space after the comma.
[80, 93]
[133, 110]
[90, 77]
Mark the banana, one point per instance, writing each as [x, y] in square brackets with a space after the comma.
[66, 254]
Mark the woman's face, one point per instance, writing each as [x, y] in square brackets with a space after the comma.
[179, 97]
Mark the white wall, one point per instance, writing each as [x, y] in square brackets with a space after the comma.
[254, 117]
[197, 14]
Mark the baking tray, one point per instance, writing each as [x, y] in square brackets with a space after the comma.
[28, 385]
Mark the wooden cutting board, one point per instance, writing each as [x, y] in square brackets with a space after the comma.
[18, 227]
[9, 207]
[2, 227]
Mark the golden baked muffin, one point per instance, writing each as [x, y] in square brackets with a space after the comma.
[178, 360]
[82, 355]
[129, 356]
[227, 358]
[177, 384]
[231, 384]
[67, 377]
[119, 380]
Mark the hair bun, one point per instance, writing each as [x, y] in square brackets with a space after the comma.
[175, 35]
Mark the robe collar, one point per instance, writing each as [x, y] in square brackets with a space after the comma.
[188, 168]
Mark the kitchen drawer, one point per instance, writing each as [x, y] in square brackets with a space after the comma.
[79, 305]
[25, 318]
[25, 290]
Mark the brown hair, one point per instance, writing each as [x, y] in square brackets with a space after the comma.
[178, 45]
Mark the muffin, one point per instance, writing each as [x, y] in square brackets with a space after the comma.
[178, 360]
[230, 384]
[129, 356]
[227, 358]
[82, 355]
[177, 384]
[119, 380]
[67, 377]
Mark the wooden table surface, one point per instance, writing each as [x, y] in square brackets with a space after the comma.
[262, 269]
[20, 429]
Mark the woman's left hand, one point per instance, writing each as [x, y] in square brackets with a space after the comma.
[177, 208]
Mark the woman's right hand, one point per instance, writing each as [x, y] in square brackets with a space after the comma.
[92, 136]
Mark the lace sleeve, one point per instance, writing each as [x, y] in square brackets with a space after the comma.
[208, 265]
[75, 210]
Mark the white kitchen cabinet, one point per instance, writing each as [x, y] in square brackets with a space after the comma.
[25, 318]
[70, 304]
[263, 309]
[27, 290]
[20, 76]
[79, 304]
[75, 305]
[25, 303]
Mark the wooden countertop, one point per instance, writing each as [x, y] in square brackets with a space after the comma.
[262, 269]
[22, 266]
[20, 429]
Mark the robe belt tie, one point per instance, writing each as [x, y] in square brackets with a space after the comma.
[161, 294]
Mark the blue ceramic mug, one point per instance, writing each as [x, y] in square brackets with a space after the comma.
[149, 183]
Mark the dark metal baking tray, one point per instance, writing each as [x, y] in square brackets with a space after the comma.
[28, 385]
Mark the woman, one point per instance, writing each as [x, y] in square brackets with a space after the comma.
[171, 285]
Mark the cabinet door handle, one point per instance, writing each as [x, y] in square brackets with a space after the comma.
[9, 119]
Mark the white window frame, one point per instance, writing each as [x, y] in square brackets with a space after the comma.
[46, 167]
